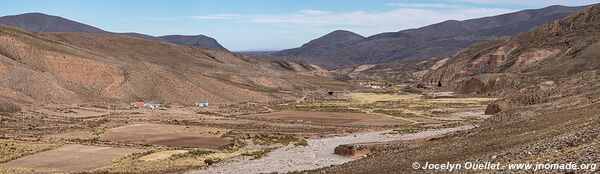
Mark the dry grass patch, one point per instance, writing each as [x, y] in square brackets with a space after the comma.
[461, 100]
[372, 97]
[332, 118]
[414, 109]
[13, 149]
[13, 170]
[183, 161]
[71, 158]
[162, 155]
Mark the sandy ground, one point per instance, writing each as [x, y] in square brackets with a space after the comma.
[332, 118]
[474, 114]
[72, 113]
[71, 135]
[72, 158]
[168, 135]
[318, 154]
[162, 155]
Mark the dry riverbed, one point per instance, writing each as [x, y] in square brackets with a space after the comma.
[318, 153]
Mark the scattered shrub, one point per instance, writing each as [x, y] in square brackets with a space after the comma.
[255, 154]
[301, 142]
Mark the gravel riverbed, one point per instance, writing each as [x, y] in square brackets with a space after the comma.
[318, 153]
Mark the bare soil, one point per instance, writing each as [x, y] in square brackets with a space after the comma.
[332, 118]
[168, 135]
[71, 158]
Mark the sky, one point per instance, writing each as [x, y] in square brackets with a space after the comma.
[252, 25]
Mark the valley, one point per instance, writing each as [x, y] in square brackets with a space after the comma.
[185, 137]
[79, 99]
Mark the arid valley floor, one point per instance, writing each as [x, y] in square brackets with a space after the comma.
[435, 99]
[184, 138]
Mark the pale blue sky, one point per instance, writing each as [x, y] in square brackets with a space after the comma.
[268, 24]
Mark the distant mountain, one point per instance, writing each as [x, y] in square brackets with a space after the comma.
[74, 67]
[332, 41]
[39, 22]
[438, 40]
[257, 53]
[195, 41]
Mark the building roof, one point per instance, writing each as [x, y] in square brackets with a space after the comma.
[153, 103]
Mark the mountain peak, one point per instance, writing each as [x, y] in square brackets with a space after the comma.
[40, 22]
[331, 41]
[341, 35]
[433, 41]
[343, 32]
[201, 41]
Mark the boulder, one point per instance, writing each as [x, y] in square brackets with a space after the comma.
[352, 150]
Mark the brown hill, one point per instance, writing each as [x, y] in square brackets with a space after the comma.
[85, 67]
[402, 71]
[549, 81]
[199, 41]
[549, 58]
[39, 22]
[434, 41]
[560, 48]
[330, 42]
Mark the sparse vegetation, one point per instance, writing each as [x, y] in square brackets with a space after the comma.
[197, 159]
[266, 140]
[63, 102]
[8, 107]
[13, 149]
[301, 142]
[257, 154]
[405, 131]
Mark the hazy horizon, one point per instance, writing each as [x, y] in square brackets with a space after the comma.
[269, 24]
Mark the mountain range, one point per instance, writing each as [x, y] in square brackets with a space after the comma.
[342, 49]
[548, 82]
[76, 67]
[39, 22]
[548, 64]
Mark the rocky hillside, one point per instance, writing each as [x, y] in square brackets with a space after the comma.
[558, 49]
[438, 40]
[397, 72]
[545, 59]
[549, 82]
[86, 67]
[39, 22]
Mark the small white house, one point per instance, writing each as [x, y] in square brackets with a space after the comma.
[152, 105]
[201, 104]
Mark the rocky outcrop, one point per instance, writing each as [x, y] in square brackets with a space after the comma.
[527, 67]
[353, 150]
